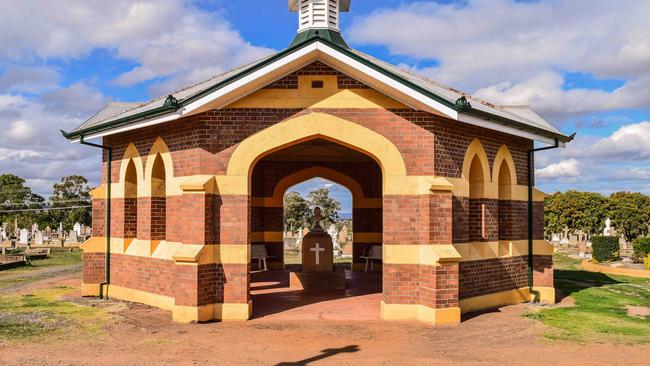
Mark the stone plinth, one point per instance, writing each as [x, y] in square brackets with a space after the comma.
[317, 252]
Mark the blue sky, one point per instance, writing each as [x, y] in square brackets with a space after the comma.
[584, 65]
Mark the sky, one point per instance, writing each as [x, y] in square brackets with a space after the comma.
[583, 65]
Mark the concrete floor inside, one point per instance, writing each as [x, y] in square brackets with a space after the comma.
[273, 299]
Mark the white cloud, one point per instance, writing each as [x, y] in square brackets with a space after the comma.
[515, 51]
[630, 142]
[565, 168]
[608, 164]
[28, 79]
[167, 38]
[33, 147]
[546, 93]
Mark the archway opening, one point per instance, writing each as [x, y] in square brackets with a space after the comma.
[293, 172]
[335, 201]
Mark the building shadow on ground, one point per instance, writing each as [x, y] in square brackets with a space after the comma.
[326, 353]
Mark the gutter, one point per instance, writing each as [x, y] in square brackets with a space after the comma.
[531, 155]
[107, 278]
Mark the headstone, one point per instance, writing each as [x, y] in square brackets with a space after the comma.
[72, 238]
[335, 239]
[48, 232]
[34, 229]
[555, 238]
[317, 248]
[77, 228]
[23, 237]
[88, 231]
[573, 239]
[38, 238]
[343, 235]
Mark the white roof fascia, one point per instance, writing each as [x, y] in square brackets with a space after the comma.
[388, 81]
[134, 126]
[249, 78]
[462, 117]
[315, 47]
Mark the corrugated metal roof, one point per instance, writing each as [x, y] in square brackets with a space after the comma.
[115, 112]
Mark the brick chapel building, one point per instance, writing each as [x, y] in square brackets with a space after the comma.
[441, 180]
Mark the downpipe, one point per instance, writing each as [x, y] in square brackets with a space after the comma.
[531, 155]
[107, 278]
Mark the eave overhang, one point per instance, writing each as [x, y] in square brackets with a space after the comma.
[301, 54]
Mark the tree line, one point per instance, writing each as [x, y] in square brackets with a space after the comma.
[298, 210]
[68, 203]
[587, 212]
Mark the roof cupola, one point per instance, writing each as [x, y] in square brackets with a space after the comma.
[319, 18]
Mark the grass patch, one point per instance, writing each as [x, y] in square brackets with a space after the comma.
[44, 313]
[600, 313]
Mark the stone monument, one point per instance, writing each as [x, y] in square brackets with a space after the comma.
[24, 237]
[317, 260]
[608, 228]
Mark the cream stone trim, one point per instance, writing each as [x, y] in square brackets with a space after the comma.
[181, 253]
[491, 190]
[199, 184]
[89, 289]
[544, 294]
[233, 311]
[128, 294]
[190, 314]
[330, 96]
[159, 147]
[358, 198]
[474, 251]
[180, 313]
[504, 156]
[420, 254]
[317, 125]
[475, 148]
[232, 253]
[415, 185]
[509, 297]
[421, 313]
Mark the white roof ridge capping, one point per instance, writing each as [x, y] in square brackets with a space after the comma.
[397, 87]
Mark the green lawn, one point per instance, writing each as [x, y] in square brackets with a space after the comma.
[600, 313]
[39, 269]
[58, 258]
[43, 313]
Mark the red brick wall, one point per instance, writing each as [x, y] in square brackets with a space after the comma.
[145, 274]
[130, 217]
[317, 68]
[94, 268]
[429, 144]
[492, 275]
[433, 286]
[440, 218]
[543, 270]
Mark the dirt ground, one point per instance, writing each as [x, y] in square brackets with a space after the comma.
[143, 335]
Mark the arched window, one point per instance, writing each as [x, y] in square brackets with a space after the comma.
[505, 203]
[130, 201]
[477, 209]
[158, 200]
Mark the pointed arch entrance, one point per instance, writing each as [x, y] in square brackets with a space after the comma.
[271, 177]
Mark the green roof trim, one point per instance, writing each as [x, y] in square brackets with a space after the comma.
[334, 40]
[324, 33]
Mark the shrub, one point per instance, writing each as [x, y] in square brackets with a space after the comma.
[641, 247]
[605, 248]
